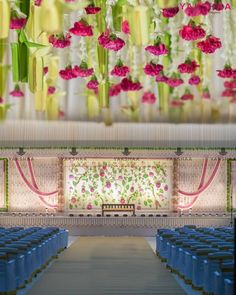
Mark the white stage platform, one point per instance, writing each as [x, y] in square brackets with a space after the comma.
[111, 226]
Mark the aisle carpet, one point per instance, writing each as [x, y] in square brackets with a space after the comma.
[107, 265]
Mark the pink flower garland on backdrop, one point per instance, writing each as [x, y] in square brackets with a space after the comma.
[34, 188]
[202, 187]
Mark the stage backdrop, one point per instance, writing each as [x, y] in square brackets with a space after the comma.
[89, 183]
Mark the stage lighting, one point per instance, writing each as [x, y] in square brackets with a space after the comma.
[126, 152]
[179, 152]
[223, 152]
[21, 151]
[73, 151]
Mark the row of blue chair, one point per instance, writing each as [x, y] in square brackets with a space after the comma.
[25, 252]
[203, 257]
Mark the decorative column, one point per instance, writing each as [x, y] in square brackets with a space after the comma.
[175, 197]
[61, 198]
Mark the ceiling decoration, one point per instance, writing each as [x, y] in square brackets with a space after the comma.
[118, 60]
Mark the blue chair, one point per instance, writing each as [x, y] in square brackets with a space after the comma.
[7, 274]
[226, 272]
[212, 264]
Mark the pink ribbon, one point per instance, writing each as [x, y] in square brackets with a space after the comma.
[205, 186]
[202, 182]
[34, 187]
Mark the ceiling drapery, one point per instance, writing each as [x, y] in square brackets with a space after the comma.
[118, 60]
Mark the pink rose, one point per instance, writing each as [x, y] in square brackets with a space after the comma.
[174, 82]
[170, 12]
[157, 50]
[187, 96]
[191, 32]
[120, 71]
[83, 190]
[194, 80]
[101, 173]
[151, 174]
[128, 85]
[132, 189]
[122, 201]
[158, 185]
[138, 207]
[91, 189]
[89, 207]
[149, 98]
[82, 70]
[91, 9]
[17, 23]
[218, 5]
[114, 90]
[51, 90]
[60, 41]
[188, 67]
[227, 72]
[166, 187]
[17, 92]
[152, 69]
[210, 45]
[230, 84]
[111, 41]
[125, 27]
[82, 28]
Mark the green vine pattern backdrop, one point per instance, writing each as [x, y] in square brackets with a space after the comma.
[93, 182]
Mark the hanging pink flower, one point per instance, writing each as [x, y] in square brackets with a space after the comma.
[161, 78]
[93, 83]
[191, 32]
[228, 93]
[17, 23]
[125, 27]
[1, 100]
[138, 207]
[128, 85]
[157, 49]
[218, 5]
[188, 67]
[153, 69]
[187, 96]
[174, 81]
[68, 73]
[230, 84]
[170, 12]
[82, 70]
[91, 9]
[82, 28]
[108, 184]
[191, 11]
[89, 207]
[151, 174]
[120, 70]
[122, 201]
[17, 92]
[37, 2]
[227, 72]
[210, 45]
[198, 9]
[206, 94]
[111, 41]
[114, 90]
[45, 70]
[204, 8]
[51, 90]
[176, 103]
[60, 41]
[149, 98]
[194, 80]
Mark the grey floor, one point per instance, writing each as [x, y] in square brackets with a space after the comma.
[107, 265]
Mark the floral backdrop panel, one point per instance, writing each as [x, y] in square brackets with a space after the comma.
[89, 183]
[23, 197]
[189, 175]
[2, 184]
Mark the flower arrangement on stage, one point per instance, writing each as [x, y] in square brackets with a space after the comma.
[134, 58]
[91, 183]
